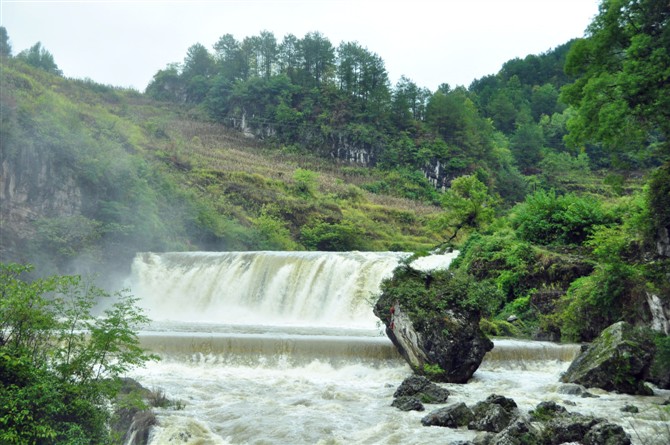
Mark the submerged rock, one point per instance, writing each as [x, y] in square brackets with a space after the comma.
[433, 330]
[618, 360]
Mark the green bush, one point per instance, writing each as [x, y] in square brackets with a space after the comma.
[547, 218]
[332, 236]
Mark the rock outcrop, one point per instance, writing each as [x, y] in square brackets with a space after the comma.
[618, 360]
[436, 334]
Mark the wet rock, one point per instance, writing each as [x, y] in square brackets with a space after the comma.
[452, 416]
[424, 389]
[630, 409]
[443, 342]
[606, 434]
[494, 414]
[547, 410]
[571, 389]
[561, 426]
[519, 432]
[140, 427]
[408, 403]
[567, 428]
[129, 421]
[489, 417]
[618, 360]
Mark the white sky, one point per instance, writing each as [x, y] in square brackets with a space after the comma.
[124, 43]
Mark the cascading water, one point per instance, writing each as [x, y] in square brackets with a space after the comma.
[263, 288]
[283, 348]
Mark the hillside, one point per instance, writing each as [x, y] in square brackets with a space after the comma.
[91, 174]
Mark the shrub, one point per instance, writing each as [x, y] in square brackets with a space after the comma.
[546, 218]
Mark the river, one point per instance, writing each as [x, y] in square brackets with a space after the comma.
[283, 348]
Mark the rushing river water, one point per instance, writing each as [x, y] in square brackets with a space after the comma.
[283, 348]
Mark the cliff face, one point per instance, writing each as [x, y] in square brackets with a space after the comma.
[33, 185]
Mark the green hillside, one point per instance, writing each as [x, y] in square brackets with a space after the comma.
[156, 176]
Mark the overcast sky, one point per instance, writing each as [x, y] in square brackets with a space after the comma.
[124, 43]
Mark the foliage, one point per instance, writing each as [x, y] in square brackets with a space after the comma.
[548, 218]
[59, 363]
[39, 57]
[468, 204]
[424, 294]
[621, 95]
[332, 236]
[5, 46]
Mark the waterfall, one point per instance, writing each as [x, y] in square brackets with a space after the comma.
[262, 288]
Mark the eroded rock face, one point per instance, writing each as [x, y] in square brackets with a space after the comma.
[448, 348]
[618, 360]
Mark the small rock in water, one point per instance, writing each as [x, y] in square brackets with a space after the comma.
[512, 318]
[571, 389]
[630, 409]
[424, 389]
[494, 414]
[452, 416]
[407, 403]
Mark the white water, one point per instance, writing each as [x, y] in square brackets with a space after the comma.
[282, 348]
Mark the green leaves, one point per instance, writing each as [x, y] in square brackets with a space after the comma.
[57, 361]
[547, 218]
[467, 204]
[622, 96]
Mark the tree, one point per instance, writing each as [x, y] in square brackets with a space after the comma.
[197, 71]
[622, 95]
[467, 204]
[290, 57]
[5, 46]
[167, 85]
[229, 59]
[408, 102]
[318, 57]
[59, 364]
[39, 57]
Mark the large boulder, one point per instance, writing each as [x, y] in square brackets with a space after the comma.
[618, 360]
[431, 325]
